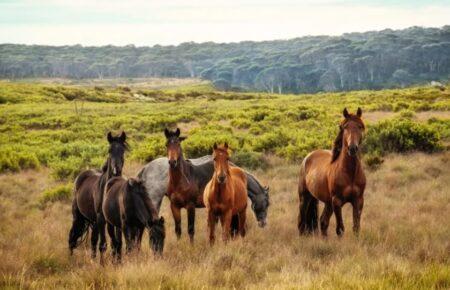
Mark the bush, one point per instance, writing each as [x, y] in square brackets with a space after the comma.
[373, 160]
[149, 149]
[58, 193]
[13, 159]
[241, 123]
[249, 159]
[268, 142]
[402, 136]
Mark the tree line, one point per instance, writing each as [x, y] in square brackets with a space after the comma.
[352, 61]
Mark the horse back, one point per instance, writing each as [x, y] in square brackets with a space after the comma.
[112, 200]
[314, 174]
[240, 188]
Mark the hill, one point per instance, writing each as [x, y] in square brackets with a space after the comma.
[354, 61]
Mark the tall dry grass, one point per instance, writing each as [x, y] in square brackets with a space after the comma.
[404, 240]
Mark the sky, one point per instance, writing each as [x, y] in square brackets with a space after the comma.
[170, 22]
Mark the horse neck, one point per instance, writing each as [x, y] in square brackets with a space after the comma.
[348, 164]
[106, 175]
[179, 175]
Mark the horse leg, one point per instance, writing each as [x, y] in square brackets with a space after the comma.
[94, 240]
[212, 221]
[191, 221]
[358, 204]
[139, 238]
[101, 229]
[176, 213]
[337, 208]
[225, 220]
[112, 236]
[78, 227]
[128, 231]
[234, 225]
[312, 215]
[242, 223]
[119, 244]
[325, 218]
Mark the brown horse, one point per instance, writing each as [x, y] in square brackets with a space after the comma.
[127, 209]
[88, 195]
[335, 178]
[186, 183]
[225, 195]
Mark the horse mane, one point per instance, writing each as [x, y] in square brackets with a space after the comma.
[337, 145]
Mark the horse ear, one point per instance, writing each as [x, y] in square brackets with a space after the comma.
[182, 138]
[177, 132]
[345, 113]
[215, 146]
[167, 133]
[109, 137]
[359, 112]
[226, 145]
[123, 137]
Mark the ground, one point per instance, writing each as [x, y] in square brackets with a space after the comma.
[404, 241]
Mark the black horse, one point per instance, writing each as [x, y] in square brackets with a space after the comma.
[88, 196]
[128, 209]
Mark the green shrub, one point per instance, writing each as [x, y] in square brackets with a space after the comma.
[407, 114]
[241, 123]
[149, 149]
[249, 159]
[268, 142]
[58, 193]
[373, 160]
[402, 136]
[14, 159]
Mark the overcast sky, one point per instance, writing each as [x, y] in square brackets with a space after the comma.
[146, 22]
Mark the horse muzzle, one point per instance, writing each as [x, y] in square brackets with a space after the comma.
[221, 179]
[262, 223]
[173, 164]
[353, 150]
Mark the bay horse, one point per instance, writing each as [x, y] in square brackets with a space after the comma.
[128, 209]
[334, 177]
[225, 195]
[88, 195]
[186, 183]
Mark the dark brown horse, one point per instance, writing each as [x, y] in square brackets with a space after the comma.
[88, 195]
[335, 178]
[127, 209]
[186, 183]
[225, 195]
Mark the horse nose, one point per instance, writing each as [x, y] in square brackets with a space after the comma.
[262, 223]
[353, 149]
[221, 178]
[173, 163]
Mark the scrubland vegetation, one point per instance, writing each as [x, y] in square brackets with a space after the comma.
[49, 132]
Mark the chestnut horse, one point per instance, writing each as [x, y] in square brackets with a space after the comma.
[335, 178]
[225, 195]
[88, 195]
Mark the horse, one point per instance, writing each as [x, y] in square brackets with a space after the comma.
[88, 195]
[155, 175]
[334, 177]
[128, 209]
[225, 196]
[186, 183]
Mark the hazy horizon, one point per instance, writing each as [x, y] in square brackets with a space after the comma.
[148, 23]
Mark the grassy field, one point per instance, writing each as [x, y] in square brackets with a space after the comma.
[49, 132]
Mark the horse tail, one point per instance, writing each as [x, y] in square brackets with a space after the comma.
[79, 231]
[308, 215]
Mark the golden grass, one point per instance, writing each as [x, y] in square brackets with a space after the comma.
[404, 240]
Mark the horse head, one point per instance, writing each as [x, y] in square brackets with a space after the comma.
[117, 147]
[173, 145]
[221, 165]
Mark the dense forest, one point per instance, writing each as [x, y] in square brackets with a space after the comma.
[370, 60]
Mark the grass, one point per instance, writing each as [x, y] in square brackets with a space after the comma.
[403, 243]
[51, 131]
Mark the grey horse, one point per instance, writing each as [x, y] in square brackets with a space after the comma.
[155, 176]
